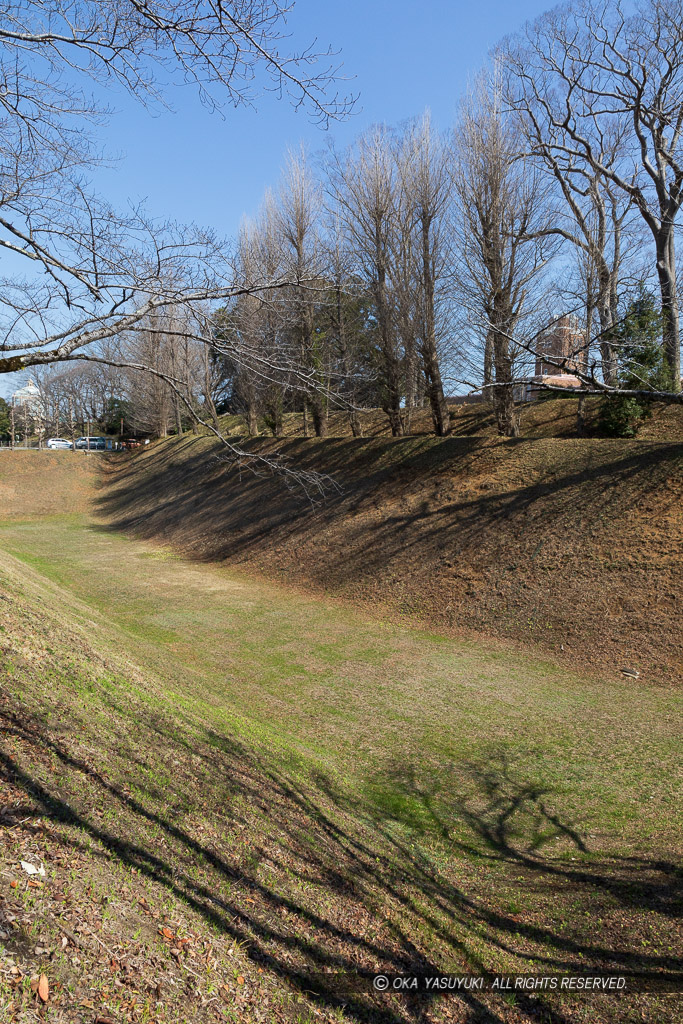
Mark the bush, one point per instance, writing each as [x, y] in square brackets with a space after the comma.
[641, 366]
[622, 417]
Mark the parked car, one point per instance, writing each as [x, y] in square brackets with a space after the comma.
[91, 443]
[58, 442]
[131, 443]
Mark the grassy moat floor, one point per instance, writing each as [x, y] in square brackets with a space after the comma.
[231, 785]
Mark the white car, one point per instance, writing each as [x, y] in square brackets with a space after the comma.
[58, 442]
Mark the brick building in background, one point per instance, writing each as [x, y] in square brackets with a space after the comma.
[564, 343]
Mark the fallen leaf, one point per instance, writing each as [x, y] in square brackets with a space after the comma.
[166, 932]
[14, 884]
[43, 988]
[240, 979]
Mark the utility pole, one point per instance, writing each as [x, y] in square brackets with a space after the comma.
[71, 420]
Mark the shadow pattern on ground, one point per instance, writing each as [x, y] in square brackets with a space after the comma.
[328, 884]
[545, 541]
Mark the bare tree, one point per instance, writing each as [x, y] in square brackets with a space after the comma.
[426, 181]
[97, 274]
[298, 211]
[346, 325]
[500, 226]
[588, 74]
[364, 183]
[238, 329]
[594, 222]
[406, 300]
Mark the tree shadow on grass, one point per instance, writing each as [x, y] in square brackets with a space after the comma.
[327, 883]
[503, 818]
[519, 540]
[196, 498]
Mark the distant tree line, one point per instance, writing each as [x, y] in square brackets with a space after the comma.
[415, 263]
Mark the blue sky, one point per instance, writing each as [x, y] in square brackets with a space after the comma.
[403, 56]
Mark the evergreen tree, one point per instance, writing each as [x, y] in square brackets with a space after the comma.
[641, 366]
[4, 420]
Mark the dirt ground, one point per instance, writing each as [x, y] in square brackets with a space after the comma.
[197, 867]
[566, 545]
[36, 482]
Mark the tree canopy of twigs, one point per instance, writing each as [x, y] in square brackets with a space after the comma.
[502, 257]
[82, 271]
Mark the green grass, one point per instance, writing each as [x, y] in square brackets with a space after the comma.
[351, 791]
[332, 689]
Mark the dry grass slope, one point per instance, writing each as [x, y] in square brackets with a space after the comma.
[567, 545]
[233, 785]
[38, 483]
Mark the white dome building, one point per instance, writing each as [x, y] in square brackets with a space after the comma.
[29, 396]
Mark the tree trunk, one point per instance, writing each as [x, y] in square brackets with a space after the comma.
[319, 413]
[666, 272]
[207, 389]
[581, 417]
[392, 378]
[430, 358]
[581, 407]
[488, 359]
[503, 394]
[607, 353]
[355, 423]
[354, 416]
[506, 418]
[395, 419]
[392, 387]
[252, 420]
[437, 402]
[274, 413]
[411, 382]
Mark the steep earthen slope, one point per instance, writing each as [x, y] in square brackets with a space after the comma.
[34, 483]
[571, 544]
